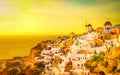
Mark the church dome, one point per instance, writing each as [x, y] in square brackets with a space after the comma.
[107, 23]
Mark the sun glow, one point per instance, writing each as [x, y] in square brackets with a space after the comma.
[24, 17]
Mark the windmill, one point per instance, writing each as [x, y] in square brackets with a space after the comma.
[86, 24]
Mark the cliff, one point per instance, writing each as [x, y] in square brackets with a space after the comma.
[92, 53]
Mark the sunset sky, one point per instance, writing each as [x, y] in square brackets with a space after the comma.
[42, 17]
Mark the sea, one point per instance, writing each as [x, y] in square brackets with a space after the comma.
[12, 46]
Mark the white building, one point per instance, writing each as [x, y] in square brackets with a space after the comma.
[107, 27]
[111, 43]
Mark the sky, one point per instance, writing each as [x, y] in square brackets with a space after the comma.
[51, 17]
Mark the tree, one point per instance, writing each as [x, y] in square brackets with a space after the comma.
[88, 64]
[13, 72]
[95, 61]
[40, 66]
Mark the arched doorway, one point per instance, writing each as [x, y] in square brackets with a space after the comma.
[102, 73]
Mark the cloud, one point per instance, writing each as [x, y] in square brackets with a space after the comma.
[55, 16]
[93, 2]
[9, 10]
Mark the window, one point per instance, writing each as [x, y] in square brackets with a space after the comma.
[83, 58]
[107, 28]
[85, 73]
[82, 65]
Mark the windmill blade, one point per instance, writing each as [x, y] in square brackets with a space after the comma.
[85, 25]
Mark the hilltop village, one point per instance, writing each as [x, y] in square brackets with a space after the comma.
[96, 52]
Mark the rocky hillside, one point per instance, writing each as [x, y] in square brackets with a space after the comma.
[92, 53]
